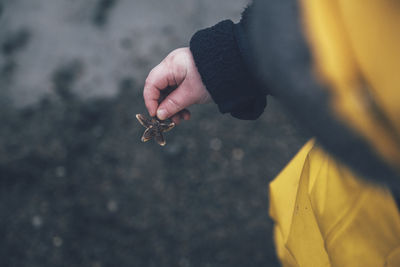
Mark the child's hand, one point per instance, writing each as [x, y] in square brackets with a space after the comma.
[179, 71]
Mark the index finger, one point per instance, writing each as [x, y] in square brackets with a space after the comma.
[157, 80]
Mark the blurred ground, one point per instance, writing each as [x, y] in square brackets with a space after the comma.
[78, 188]
[109, 39]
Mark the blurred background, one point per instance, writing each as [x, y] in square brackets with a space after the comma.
[78, 188]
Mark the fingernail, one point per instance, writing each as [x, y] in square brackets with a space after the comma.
[162, 114]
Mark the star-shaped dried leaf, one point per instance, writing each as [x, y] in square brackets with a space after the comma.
[154, 128]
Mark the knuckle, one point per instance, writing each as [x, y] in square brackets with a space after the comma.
[173, 105]
[146, 89]
[148, 80]
[146, 93]
[150, 77]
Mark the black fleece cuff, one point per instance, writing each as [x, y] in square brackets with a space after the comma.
[224, 72]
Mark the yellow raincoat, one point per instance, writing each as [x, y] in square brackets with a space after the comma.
[324, 214]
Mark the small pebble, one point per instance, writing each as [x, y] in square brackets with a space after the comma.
[60, 171]
[37, 221]
[215, 144]
[112, 206]
[237, 154]
[57, 241]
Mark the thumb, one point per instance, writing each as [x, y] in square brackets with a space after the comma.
[176, 101]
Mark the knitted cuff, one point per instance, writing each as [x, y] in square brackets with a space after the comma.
[224, 72]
